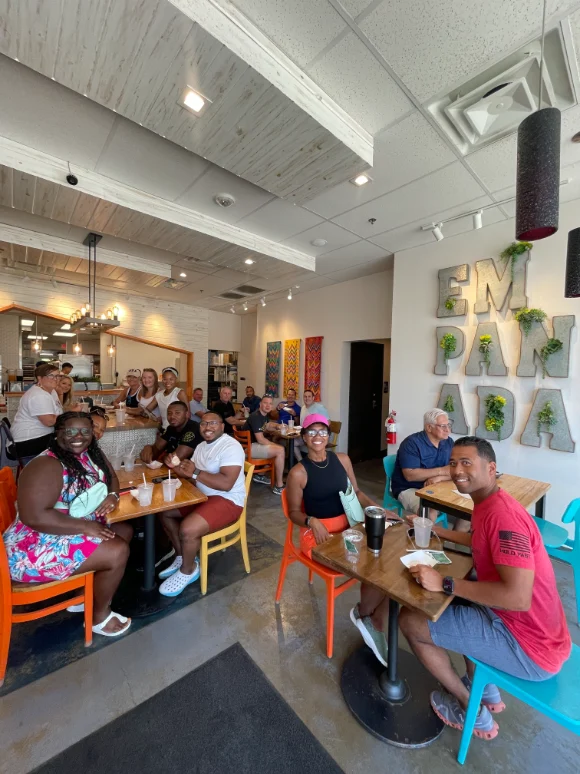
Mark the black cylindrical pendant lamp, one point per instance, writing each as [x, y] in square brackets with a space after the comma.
[573, 265]
[538, 177]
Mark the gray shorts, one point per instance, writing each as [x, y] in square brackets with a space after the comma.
[477, 632]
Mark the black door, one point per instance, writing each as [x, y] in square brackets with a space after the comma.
[365, 401]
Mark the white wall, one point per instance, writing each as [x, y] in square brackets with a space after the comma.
[415, 388]
[357, 310]
[247, 356]
[134, 354]
[179, 325]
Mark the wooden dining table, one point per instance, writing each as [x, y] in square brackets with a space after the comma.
[288, 440]
[443, 496]
[393, 703]
[149, 600]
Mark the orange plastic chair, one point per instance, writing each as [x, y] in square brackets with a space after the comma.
[292, 553]
[260, 466]
[13, 595]
[8, 484]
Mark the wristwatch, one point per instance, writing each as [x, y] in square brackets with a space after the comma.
[115, 494]
[196, 473]
[448, 586]
[307, 522]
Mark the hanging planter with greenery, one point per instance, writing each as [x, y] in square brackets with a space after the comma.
[513, 252]
[550, 348]
[448, 344]
[485, 343]
[450, 304]
[449, 406]
[546, 417]
[494, 416]
[527, 316]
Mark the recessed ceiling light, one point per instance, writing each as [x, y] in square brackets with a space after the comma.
[193, 101]
[361, 180]
[183, 274]
[319, 242]
[26, 322]
[249, 261]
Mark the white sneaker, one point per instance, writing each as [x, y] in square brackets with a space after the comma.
[173, 567]
[174, 585]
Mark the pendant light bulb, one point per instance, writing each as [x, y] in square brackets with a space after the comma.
[36, 346]
[478, 220]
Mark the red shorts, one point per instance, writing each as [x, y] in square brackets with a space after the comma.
[333, 524]
[217, 511]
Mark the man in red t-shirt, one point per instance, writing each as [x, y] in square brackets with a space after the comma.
[516, 621]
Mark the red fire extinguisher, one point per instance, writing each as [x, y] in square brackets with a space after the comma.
[391, 428]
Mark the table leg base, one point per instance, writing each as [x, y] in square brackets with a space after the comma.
[407, 723]
[138, 603]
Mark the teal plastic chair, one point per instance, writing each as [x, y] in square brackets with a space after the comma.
[553, 536]
[558, 698]
[389, 502]
[569, 550]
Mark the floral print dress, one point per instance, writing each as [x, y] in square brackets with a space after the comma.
[40, 557]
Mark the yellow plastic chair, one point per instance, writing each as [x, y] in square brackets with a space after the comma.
[236, 533]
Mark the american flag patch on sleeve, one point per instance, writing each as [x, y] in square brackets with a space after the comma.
[514, 544]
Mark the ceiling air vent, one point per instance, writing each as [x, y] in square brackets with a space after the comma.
[231, 296]
[173, 284]
[248, 290]
[493, 104]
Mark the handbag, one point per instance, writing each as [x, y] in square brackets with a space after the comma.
[88, 501]
[352, 508]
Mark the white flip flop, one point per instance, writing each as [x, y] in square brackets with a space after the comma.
[98, 628]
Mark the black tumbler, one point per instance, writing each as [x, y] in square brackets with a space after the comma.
[375, 519]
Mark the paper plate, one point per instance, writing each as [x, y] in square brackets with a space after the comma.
[418, 557]
[154, 465]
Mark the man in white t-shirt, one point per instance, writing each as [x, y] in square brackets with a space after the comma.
[39, 407]
[217, 469]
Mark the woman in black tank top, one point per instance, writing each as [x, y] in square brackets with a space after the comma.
[313, 503]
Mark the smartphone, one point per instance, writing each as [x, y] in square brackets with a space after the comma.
[159, 479]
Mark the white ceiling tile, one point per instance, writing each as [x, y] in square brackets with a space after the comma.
[373, 267]
[435, 45]
[44, 115]
[279, 220]
[351, 75]
[211, 285]
[334, 235]
[405, 152]
[439, 191]
[301, 28]
[200, 195]
[412, 235]
[140, 158]
[347, 257]
[354, 7]
[496, 164]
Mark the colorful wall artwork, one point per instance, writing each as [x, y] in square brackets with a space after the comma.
[313, 365]
[291, 364]
[273, 358]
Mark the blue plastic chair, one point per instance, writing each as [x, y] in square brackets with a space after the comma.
[390, 502]
[558, 698]
[569, 550]
[553, 536]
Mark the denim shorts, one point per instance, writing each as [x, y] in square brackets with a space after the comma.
[477, 632]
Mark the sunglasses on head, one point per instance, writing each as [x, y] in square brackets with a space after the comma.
[99, 411]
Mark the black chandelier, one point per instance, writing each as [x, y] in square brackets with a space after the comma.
[86, 316]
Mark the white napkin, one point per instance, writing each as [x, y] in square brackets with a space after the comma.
[466, 496]
[154, 465]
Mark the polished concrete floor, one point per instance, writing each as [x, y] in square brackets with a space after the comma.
[288, 644]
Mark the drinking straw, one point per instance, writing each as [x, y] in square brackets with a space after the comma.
[132, 449]
[144, 481]
[170, 474]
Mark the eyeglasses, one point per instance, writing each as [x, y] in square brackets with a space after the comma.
[210, 423]
[51, 376]
[446, 426]
[313, 433]
[72, 432]
[99, 411]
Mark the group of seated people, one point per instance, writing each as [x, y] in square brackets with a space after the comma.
[510, 615]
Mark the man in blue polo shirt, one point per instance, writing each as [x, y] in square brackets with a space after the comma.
[423, 460]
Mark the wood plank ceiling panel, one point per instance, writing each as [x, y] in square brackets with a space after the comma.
[38, 33]
[33, 256]
[80, 32]
[100, 217]
[45, 195]
[65, 203]
[83, 211]
[117, 220]
[125, 27]
[133, 228]
[6, 178]
[162, 42]
[23, 191]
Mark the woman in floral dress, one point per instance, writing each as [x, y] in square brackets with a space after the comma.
[64, 497]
